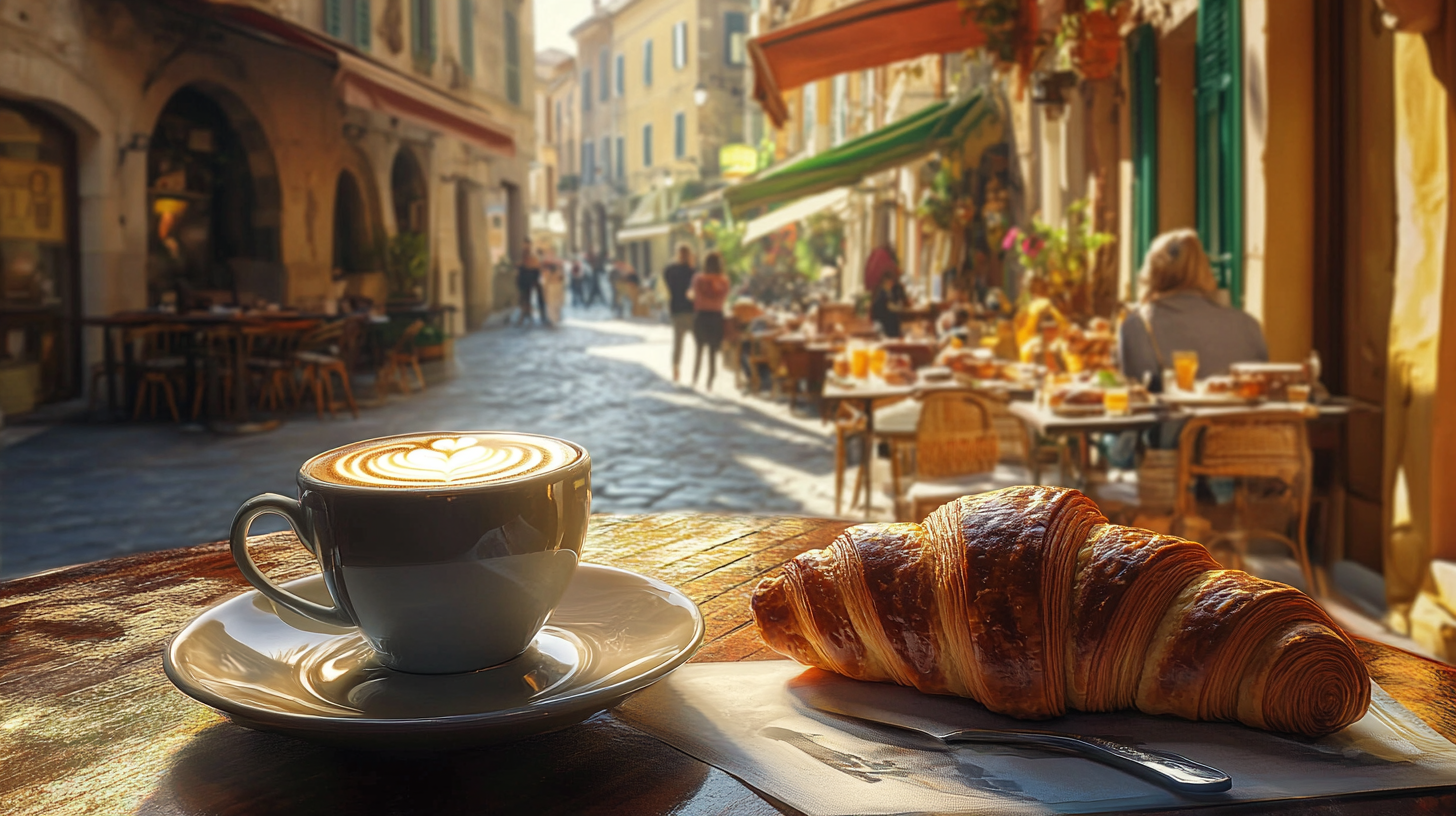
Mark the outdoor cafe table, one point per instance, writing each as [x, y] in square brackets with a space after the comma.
[89, 723]
[122, 321]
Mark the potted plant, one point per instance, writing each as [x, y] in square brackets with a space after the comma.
[405, 259]
[432, 344]
[1094, 37]
[1057, 256]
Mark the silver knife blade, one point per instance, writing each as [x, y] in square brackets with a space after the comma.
[910, 710]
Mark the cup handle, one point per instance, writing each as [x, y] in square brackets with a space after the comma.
[293, 511]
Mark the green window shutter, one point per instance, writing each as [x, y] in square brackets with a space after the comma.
[431, 30]
[1143, 63]
[1219, 143]
[333, 24]
[362, 24]
[467, 36]
[647, 63]
[513, 64]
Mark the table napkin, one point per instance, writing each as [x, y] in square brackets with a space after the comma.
[744, 719]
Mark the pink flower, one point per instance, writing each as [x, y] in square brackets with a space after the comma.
[1010, 240]
[1031, 247]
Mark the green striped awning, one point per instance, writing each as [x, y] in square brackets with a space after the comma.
[936, 126]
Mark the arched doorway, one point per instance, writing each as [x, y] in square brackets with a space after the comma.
[409, 192]
[352, 236]
[39, 272]
[213, 201]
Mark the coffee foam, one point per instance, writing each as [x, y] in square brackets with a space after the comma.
[441, 460]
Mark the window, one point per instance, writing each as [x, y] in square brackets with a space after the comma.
[586, 90]
[810, 101]
[558, 118]
[467, 37]
[867, 99]
[680, 46]
[647, 64]
[422, 29]
[735, 37]
[513, 58]
[348, 20]
[621, 76]
[588, 163]
[621, 158]
[604, 69]
[606, 159]
[839, 109]
[647, 145]
[679, 135]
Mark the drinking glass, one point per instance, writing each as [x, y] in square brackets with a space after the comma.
[1185, 368]
[859, 361]
[1116, 401]
[878, 355]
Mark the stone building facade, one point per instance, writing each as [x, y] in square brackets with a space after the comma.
[210, 152]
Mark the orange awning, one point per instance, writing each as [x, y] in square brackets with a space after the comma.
[867, 34]
[363, 82]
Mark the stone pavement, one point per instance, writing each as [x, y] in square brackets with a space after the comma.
[83, 491]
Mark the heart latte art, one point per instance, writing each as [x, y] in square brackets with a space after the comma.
[436, 460]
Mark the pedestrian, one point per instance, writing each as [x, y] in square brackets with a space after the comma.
[577, 293]
[679, 278]
[553, 290]
[593, 276]
[709, 292]
[528, 280]
[888, 302]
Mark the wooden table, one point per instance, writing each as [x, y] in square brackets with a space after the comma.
[122, 321]
[90, 724]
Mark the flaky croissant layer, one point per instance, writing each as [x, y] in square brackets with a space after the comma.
[1028, 601]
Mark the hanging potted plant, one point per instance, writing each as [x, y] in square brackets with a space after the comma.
[1013, 36]
[1094, 37]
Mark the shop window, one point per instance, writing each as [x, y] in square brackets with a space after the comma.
[735, 37]
[39, 301]
[512, 33]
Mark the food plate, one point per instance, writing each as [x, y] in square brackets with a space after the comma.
[1199, 398]
[614, 633]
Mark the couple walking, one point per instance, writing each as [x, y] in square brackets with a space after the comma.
[697, 300]
[546, 281]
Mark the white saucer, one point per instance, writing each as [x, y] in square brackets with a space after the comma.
[614, 633]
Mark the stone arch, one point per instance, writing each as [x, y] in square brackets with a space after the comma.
[266, 209]
[409, 192]
[353, 233]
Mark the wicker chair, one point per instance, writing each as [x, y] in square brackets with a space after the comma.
[956, 452]
[1265, 446]
[849, 424]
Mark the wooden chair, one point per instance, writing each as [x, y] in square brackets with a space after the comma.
[270, 360]
[219, 347]
[956, 452]
[1254, 446]
[160, 363]
[402, 354]
[795, 372]
[323, 355]
[849, 425]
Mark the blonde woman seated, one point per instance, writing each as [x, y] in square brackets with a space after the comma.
[1178, 312]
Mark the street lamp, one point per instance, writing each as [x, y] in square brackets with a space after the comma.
[700, 95]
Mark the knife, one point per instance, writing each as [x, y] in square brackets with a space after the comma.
[1160, 767]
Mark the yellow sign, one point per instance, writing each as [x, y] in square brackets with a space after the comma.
[32, 201]
[737, 160]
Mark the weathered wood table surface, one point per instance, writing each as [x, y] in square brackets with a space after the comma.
[89, 723]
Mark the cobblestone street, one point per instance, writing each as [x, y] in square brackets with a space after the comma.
[78, 491]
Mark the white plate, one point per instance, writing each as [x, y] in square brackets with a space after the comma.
[614, 633]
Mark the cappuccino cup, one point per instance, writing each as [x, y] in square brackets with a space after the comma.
[448, 551]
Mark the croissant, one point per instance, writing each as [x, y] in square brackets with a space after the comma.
[1028, 601]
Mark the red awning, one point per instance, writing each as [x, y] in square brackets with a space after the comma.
[365, 83]
[867, 34]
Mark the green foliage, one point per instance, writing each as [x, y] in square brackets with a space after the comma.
[938, 206]
[405, 259]
[727, 241]
[820, 244]
[1058, 255]
[430, 335]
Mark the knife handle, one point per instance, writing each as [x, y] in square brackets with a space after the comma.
[1164, 768]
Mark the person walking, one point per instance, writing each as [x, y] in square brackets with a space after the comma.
[553, 291]
[528, 280]
[577, 294]
[709, 293]
[678, 277]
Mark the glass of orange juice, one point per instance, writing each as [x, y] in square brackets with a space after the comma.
[859, 361]
[1116, 401]
[1185, 369]
[878, 356]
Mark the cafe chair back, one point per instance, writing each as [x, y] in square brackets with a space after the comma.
[161, 365]
[956, 452]
[399, 357]
[322, 357]
[1258, 451]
